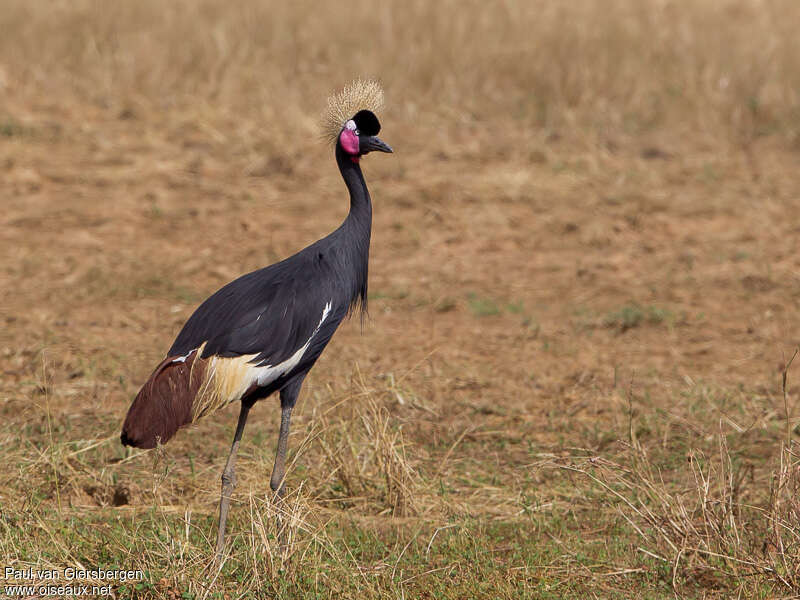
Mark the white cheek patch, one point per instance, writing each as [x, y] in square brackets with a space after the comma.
[349, 138]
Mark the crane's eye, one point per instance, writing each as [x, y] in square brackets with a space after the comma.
[357, 132]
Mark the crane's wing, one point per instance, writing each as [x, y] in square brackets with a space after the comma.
[267, 315]
[256, 332]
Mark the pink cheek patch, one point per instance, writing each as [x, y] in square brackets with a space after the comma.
[349, 141]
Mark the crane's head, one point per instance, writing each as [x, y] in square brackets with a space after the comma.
[350, 119]
[360, 135]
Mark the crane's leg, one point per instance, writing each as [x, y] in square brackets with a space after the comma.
[279, 470]
[288, 398]
[229, 479]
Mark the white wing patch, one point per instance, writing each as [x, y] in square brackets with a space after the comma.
[267, 374]
[181, 359]
[228, 379]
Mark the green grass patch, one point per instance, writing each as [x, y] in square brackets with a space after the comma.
[634, 315]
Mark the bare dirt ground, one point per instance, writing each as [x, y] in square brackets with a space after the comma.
[540, 297]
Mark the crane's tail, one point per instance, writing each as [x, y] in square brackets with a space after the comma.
[164, 404]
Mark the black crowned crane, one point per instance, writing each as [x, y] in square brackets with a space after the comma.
[263, 332]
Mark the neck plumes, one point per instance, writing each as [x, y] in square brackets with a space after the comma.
[358, 224]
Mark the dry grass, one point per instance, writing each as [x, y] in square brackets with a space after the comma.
[720, 522]
[583, 279]
[721, 69]
[717, 526]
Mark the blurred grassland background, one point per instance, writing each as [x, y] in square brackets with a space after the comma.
[584, 292]
[726, 70]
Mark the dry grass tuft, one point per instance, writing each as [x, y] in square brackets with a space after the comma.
[714, 523]
[365, 460]
[282, 534]
[701, 527]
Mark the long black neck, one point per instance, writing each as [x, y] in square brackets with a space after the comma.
[358, 224]
[360, 202]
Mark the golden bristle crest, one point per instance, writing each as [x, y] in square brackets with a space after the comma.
[359, 95]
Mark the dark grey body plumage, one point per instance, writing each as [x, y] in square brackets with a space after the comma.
[273, 311]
